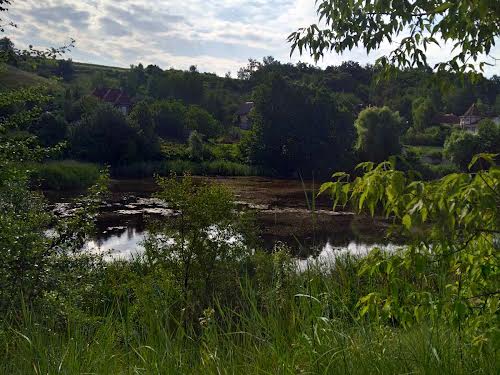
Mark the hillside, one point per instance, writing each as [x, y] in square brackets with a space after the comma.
[13, 78]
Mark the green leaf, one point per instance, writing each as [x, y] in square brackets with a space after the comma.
[407, 221]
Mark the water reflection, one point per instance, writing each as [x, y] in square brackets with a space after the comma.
[122, 223]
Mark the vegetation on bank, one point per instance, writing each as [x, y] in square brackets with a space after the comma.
[64, 175]
[204, 298]
[179, 166]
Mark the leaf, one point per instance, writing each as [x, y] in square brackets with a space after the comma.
[489, 158]
[443, 7]
[407, 221]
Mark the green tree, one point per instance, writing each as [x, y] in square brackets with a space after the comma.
[489, 136]
[65, 69]
[422, 112]
[50, 129]
[296, 128]
[7, 52]
[206, 240]
[106, 137]
[460, 147]
[169, 119]
[196, 147]
[203, 122]
[448, 273]
[379, 131]
[471, 26]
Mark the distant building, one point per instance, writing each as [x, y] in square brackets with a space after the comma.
[115, 97]
[446, 118]
[243, 115]
[470, 119]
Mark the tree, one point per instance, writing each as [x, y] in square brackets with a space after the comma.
[379, 131]
[460, 147]
[489, 136]
[50, 129]
[105, 137]
[169, 119]
[7, 52]
[200, 120]
[422, 112]
[196, 147]
[471, 26]
[448, 273]
[206, 239]
[142, 118]
[296, 128]
[65, 69]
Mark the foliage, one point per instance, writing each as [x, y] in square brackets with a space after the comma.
[200, 120]
[471, 26]
[106, 137]
[452, 225]
[422, 112]
[461, 146]
[202, 244]
[181, 166]
[50, 129]
[196, 146]
[379, 130]
[430, 136]
[279, 138]
[169, 118]
[65, 175]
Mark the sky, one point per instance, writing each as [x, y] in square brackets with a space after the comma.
[217, 36]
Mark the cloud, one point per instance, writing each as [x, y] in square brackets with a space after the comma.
[112, 28]
[216, 35]
[67, 13]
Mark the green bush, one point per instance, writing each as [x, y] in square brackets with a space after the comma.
[431, 136]
[65, 175]
[210, 168]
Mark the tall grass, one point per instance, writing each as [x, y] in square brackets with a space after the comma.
[65, 175]
[164, 168]
[288, 323]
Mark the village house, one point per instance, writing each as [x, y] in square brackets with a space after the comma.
[243, 115]
[470, 119]
[115, 97]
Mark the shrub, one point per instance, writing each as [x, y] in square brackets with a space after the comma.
[431, 136]
[65, 175]
[178, 166]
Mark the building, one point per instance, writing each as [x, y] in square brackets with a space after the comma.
[115, 97]
[470, 119]
[243, 114]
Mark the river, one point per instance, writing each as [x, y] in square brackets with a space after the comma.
[282, 210]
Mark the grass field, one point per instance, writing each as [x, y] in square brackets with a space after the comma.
[13, 78]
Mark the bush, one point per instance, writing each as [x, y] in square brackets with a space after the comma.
[432, 136]
[178, 166]
[65, 175]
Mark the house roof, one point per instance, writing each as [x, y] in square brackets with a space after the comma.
[472, 111]
[113, 96]
[245, 108]
[446, 118]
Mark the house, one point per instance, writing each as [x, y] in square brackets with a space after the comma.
[446, 118]
[243, 115]
[470, 119]
[115, 97]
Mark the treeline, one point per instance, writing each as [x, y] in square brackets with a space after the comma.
[305, 119]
